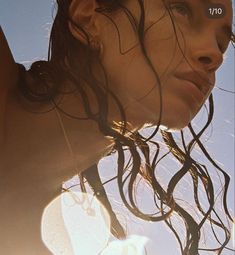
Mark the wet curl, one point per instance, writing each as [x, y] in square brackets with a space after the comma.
[68, 59]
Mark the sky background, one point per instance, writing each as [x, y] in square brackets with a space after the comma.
[26, 24]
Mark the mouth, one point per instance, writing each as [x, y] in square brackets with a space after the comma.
[191, 91]
[199, 79]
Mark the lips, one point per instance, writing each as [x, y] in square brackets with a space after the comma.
[199, 79]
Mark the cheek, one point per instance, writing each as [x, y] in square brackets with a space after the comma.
[129, 75]
[162, 47]
[138, 78]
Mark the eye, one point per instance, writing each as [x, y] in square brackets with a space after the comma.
[180, 8]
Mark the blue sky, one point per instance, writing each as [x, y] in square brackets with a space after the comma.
[26, 24]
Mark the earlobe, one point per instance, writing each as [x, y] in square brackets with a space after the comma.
[82, 20]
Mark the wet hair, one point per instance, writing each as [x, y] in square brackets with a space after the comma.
[70, 60]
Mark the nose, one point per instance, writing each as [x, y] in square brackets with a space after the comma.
[207, 55]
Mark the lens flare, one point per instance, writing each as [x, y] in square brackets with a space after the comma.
[75, 223]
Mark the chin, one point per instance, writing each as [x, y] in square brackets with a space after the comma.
[176, 122]
[176, 114]
[171, 129]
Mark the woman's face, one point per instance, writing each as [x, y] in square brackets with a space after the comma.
[186, 82]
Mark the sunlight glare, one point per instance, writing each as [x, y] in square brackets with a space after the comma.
[75, 223]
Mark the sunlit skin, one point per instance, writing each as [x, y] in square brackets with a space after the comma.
[35, 159]
[203, 43]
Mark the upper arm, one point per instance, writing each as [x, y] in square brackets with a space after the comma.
[8, 77]
[8, 67]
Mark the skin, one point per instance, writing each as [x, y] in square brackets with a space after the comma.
[27, 134]
[201, 42]
[8, 76]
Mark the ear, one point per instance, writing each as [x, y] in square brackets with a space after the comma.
[82, 15]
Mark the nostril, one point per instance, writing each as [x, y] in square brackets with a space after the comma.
[205, 60]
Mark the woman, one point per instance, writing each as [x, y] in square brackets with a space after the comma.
[114, 68]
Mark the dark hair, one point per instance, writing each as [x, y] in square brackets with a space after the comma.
[69, 59]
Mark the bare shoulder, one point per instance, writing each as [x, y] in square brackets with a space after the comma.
[8, 77]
